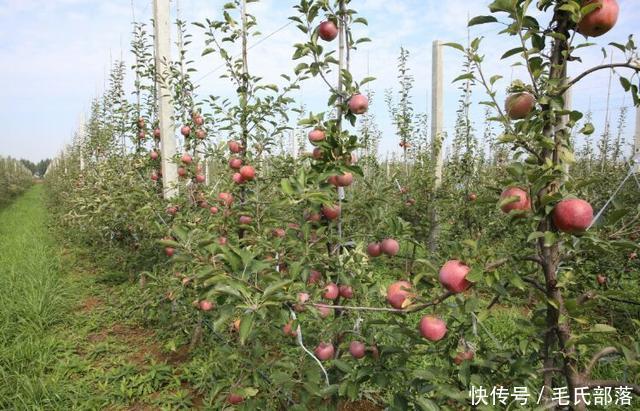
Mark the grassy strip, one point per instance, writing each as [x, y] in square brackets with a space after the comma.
[67, 338]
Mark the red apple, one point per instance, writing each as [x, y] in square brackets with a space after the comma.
[141, 122]
[200, 178]
[186, 158]
[333, 180]
[346, 291]
[522, 203]
[201, 134]
[248, 172]
[303, 297]
[344, 180]
[327, 30]
[235, 163]
[432, 328]
[234, 399]
[314, 277]
[169, 251]
[324, 311]
[154, 155]
[154, 176]
[313, 217]
[198, 120]
[331, 291]
[358, 104]
[222, 240]
[234, 146]
[316, 135]
[374, 250]
[245, 220]
[357, 349]
[185, 131]
[452, 276]
[324, 351]
[156, 133]
[602, 280]
[279, 232]
[288, 330]
[317, 153]
[226, 198]
[389, 246]
[205, 305]
[331, 212]
[172, 210]
[182, 171]
[399, 293]
[519, 105]
[213, 210]
[237, 178]
[141, 134]
[600, 20]
[572, 215]
[473, 197]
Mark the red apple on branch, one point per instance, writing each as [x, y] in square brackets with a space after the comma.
[452, 276]
[601, 20]
[185, 131]
[390, 247]
[316, 135]
[248, 172]
[358, 104]
[324, 351]
[327, 30]
[357, 349]
[234, 399]
[399, 294]
[572, 215]
[374, 250]
[331, 291]
[432, 328]
[521, 203]
[234, 146]
[331, 212]
[519, 105]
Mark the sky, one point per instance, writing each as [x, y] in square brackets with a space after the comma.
[55, 57]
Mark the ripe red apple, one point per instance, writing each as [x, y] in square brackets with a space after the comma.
[398, 293]
[316, 135]
[237, 178]
[522, 203]
[154, 155]
[331, 212]
[572, 215]
[374, 250]
[235, 163]
[279, 232]
[324, 311]
[141, 134]
[600, 20]
[154, 176]
[248, 172]
[633, 255]
[234, 146]
[452, 276]
[245, 220]
[432, 328]
[346, 291]
[141, 122]
[331, 291]
[390, 247]
[226, 198]
[156, 133]
[519, 105]
[317, 153]
[172, 210]
[324, 351]
[205, 305]
[314, 277]
[201, 134]
[169, 251]
[313, 217]
[234, 399]
[602, 280]
[303, 297]
[185, 131]
[213, 210]
[463, 356]
[182, 171]
[288, 330]
[327, 30]
[344, 180]
[200, 178]
[358, 104]
[222, 240]
[198, 120]
[186, 158]
[357, 349]
[473, 197]
[333, 180]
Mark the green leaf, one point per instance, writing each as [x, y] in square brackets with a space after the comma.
[455, 46]
[512, 52]
[481, 20]
[246, 325]
[602, 328]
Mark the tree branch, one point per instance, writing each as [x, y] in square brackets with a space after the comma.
[597, 356]
[584, 74]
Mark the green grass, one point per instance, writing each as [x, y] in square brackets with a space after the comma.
[68, 336]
